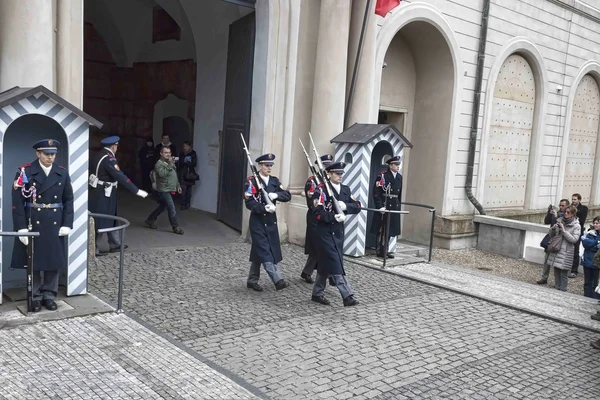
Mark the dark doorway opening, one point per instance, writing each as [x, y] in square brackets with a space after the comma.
[381, 153]
[236, 120]
[17, 144]
[178, 130]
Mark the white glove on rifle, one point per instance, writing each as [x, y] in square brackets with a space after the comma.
[342, 205]
[270, 209]
[142, 193]
[597, 290]
[64, 231]
[340, 217]
[382, 209]
[24, 239]
[272, 196]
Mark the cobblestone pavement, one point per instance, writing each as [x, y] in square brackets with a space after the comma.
[107, 356]
[405, 340]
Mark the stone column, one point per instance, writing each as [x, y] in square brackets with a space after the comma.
[362, 101]
[69, 51]
[27, 44]
[330, 73]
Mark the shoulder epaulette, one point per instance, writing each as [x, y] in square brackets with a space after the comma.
[383, 172]
[60, 166]
[25, 165]
[249, 178]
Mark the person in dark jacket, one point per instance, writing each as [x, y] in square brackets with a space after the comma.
[329, 236]
[166, 141]
[147, 156]
[42, 201]
[311, 222]
[591, 243]
[187, 173]
[266, 249]
[103, 191]
[387, 195]
[550, 219]
[582, 212]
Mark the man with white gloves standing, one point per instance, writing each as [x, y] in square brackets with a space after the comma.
[42, 201]
[266, 249]
[106, 176]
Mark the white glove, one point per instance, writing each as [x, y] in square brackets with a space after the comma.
[24, 239]
[64, 231]
[340, 217]
[141, 193]
[382, 209]
[270, 209]
[597, 290]
[272, 196]
[342, 205]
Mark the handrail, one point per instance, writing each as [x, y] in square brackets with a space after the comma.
[432, 211]
[121, 229]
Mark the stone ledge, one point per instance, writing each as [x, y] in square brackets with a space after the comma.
[510, 223]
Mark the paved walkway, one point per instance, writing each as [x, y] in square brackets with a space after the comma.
[107, 356]
[406, 339]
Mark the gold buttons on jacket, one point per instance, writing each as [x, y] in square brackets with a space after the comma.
[39, 209]
[56, 197]
[33, 183]
[37, 222]
[55, 210]
[59, 183]
[54, 222]
[39, 196]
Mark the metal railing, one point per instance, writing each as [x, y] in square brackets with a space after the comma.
[432, 212]
[121, 229]
[29, 263]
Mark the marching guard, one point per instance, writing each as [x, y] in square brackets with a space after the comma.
[329, 236]
[42, 201]
[311, 222]
[266, 249]
[103, 193]
[387, 195]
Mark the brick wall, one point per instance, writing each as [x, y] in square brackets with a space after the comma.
[124, 98]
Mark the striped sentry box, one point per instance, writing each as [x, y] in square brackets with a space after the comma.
[18, 102]
[356, 144]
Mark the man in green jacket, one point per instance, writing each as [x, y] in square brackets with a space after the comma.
[167, 184]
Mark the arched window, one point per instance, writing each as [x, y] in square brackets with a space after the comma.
[348, 158]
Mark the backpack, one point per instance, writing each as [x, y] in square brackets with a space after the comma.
[153, 179]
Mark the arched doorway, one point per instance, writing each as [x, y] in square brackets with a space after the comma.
[419, 81]
[382, 152]
[178, 130]
[19, 138]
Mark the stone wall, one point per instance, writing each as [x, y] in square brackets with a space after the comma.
[124, 98]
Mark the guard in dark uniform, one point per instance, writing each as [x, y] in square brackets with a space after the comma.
[387, 195]
[329, 236]
[104, 179]
[42, 201]
[266, 249]
[311, 222]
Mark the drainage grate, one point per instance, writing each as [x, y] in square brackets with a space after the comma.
[484, 268]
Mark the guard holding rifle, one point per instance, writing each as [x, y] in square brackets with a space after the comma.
[261, 193]
[42, 201]
[330, 204]
[387, 195]
[311, 222]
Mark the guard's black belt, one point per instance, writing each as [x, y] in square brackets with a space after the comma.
[42, 205]
[393, 196]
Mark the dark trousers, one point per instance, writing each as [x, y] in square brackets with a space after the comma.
[46, 287]
[165, 202]
[576, 259]
[310, 266]
[146, 182]
[590, 281]
[186, 194]
[114, 240]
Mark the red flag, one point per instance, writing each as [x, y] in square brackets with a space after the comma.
[385, 6]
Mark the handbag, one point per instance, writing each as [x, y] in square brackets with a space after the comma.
[191, 175]
[554, 244]
[545, 241]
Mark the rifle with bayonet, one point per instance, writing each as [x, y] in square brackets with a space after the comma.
[260, 188]
[322, 176]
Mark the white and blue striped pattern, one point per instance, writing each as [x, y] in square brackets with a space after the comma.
[357, 178]
[77, 132]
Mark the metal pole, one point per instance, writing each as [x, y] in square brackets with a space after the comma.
[30, 275]
[386, 239]
[121, 272]
[431, 233]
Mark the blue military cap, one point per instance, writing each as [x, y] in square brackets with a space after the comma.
[266, 159]
[394, 160]
[337, 167]
[47, 145]
[109, 141]
[326, 159]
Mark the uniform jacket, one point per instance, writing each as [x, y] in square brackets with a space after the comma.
[311, 220]
[263, 225]
[166, 176]
[108, 171]
[591, 243]
[385, 183]
[564, 258]
[328, 233]
[49, 248]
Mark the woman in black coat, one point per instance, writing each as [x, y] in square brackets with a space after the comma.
[187, 173]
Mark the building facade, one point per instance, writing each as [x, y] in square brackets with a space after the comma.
[275, 70]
